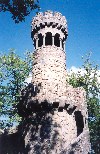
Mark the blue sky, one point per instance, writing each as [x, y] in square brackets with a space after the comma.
[83, 19]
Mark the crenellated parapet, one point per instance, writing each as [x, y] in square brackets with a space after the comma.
[49, 18]
[49, 25]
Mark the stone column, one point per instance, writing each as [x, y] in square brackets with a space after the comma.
[36, 43]
[53, 40]
[64, 45]
[44, 40]
[60, 42]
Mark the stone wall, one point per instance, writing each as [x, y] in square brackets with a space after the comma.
[49, 70]
[45, 133]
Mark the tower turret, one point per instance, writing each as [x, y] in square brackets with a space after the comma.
[54, 113]
[49, 33]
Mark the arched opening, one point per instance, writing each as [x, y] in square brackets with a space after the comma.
[57, 40]
[48, 39]
[79, 122]
[40, 40]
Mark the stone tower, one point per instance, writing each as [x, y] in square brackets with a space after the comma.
[49, 33]
[54, 113]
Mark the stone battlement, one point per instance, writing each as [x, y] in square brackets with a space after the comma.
[49, 18]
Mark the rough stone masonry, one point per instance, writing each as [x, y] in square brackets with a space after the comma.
[54, 113]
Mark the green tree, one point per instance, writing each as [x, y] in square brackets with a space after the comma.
[89, 80]
[19, 8]
[13, 72]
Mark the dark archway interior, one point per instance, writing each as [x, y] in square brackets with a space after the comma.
[57, 40]
[40, 40]
[48, 39]
[79, 122]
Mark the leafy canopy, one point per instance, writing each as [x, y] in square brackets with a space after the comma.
[19, 8]
[13, 72]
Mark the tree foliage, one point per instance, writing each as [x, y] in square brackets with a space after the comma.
[13, 72]
[89, 81]
[19, 8]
